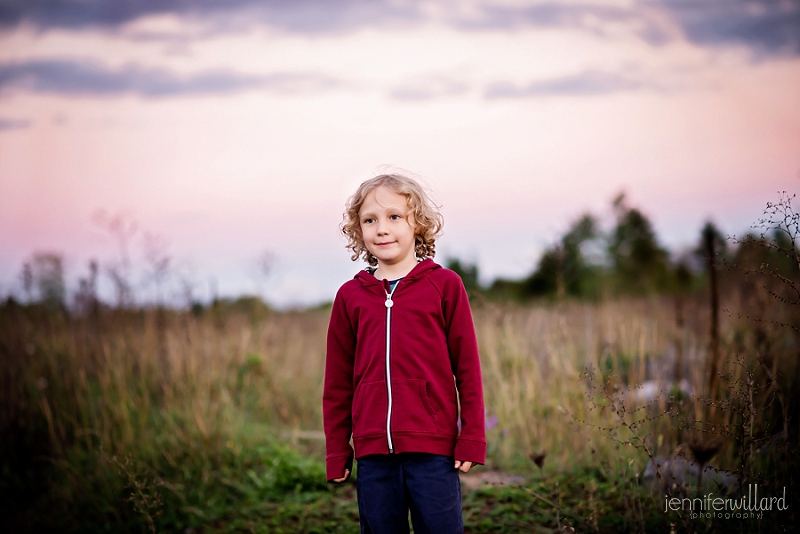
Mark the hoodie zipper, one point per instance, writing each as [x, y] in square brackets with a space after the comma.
[389, 303]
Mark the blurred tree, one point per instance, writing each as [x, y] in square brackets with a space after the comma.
[639, 263]
[264, 266]
[565, 268]
[682, 279]
[548, 278]
[48, 278]
[504, 289]
[27, 281]
[86, 301]
[712, 243]
[468, 273]
[122, 229]
[769, 252]
[156, 254]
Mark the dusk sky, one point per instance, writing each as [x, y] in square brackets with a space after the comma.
[231, 129]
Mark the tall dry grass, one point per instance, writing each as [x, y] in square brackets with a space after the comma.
[106, 381]
[127, 377]
[535, 361]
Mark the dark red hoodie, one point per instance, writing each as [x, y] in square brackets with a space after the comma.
[390, 367]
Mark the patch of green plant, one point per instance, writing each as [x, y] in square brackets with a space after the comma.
[171, 484]
[584, 499]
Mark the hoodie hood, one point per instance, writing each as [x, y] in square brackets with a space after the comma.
[419, 270]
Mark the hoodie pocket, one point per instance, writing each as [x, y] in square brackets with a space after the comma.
[369, 409]
[412, 408]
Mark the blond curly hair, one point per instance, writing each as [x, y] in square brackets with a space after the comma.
[428, 221]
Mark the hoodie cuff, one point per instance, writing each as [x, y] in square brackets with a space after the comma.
[468, 450]
[336, 466]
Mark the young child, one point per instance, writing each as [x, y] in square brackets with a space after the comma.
[401, 358]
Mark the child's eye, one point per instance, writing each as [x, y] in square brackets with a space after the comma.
[394, 217]
[367, 221]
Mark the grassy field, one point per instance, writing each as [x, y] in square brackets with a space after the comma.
[164, 421]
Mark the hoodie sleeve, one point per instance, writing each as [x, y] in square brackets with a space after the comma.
[463, 347]
[337, 396]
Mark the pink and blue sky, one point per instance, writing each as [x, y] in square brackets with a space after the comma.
[234, 128]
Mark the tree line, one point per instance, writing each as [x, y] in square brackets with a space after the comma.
[587, 262]
[590, 263]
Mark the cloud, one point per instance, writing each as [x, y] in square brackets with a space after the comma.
[767, 26]
[304, 16]
[13, 124]
[428, 89]
[77, 78]
[593, 17]
[588, 83]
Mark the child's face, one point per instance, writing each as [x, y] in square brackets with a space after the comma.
[386, 227]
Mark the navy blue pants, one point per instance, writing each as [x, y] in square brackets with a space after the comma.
[391, 485]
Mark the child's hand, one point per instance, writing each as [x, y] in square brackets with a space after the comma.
[345, 477]
[463, 466]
